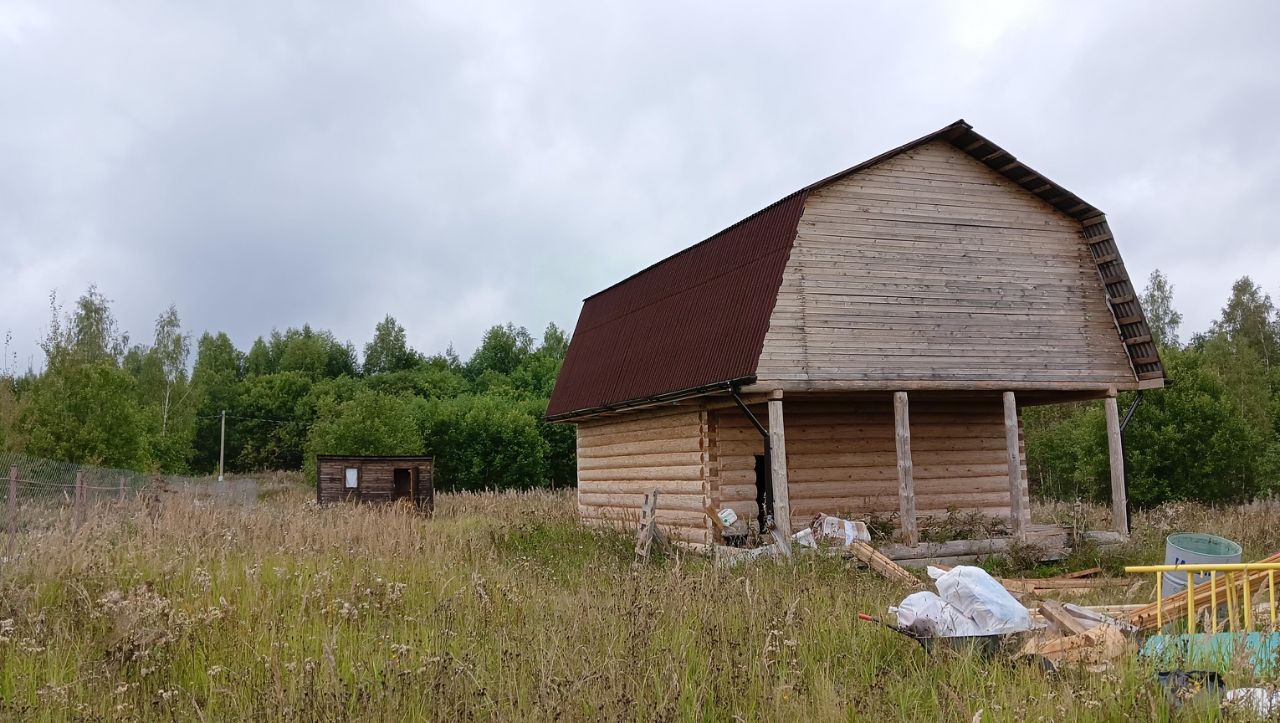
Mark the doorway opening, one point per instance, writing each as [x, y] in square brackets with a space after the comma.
[402, 487]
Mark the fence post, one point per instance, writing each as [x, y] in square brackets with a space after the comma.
[122, 489]
[13, 509]
[79, 501]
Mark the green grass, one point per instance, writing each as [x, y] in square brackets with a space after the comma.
[500, 607]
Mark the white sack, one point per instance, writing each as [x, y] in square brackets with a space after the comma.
[946, 621]
[978, 596]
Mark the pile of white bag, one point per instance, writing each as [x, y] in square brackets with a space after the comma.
[969, 602]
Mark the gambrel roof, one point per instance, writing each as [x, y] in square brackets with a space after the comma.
[697, 321]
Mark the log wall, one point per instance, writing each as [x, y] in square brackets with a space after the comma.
[376, 481]
[931, 266]
[842, 460]
[620, 458]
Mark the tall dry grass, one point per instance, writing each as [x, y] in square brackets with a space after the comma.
[501, 606]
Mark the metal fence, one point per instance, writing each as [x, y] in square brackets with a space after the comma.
[32, 486]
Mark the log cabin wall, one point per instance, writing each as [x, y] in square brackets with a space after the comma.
[932, 266]
[620, 458]
[841, 457]
[376, 479]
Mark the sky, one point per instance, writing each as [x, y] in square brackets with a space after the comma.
[463, 164]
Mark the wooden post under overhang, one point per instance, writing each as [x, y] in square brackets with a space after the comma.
[906, 481]
[1119, 498]
[778, 465]
[1019, 505]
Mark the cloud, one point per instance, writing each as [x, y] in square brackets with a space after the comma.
[466, 164]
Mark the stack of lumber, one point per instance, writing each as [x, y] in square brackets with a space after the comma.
[1077, 635]
[1174, 607]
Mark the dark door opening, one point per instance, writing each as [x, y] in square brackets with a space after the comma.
[403, 484]
[764, 491]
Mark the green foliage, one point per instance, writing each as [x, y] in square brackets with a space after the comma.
[483, 442]
[85, 412]
[269, 428]
[389, 350]
[368, 423]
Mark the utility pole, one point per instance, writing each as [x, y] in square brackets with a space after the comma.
[222, 444]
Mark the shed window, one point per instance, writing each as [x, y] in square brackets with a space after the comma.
[353, 478]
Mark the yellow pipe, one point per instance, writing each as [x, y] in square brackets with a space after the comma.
[1231, 606]
[1248, 606]
[1271, 587]
[1213, 598]
[1159, 600]
[1198, 568]
[1191, 603]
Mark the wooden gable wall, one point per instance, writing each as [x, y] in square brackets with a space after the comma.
[931, 267]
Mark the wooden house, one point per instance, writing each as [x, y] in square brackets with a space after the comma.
[375, 479]
[898, 315]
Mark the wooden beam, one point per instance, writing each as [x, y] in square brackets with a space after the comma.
[1019, 508]
[1119, 499]
[778, 466]
[906, 483]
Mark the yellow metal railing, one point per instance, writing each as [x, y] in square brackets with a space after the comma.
[1240, 582]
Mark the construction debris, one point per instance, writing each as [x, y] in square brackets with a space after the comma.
[1174, 607]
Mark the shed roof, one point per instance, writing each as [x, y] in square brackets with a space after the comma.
[696, 321]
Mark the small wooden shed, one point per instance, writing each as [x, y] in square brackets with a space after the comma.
[903, 310]
[375, 479]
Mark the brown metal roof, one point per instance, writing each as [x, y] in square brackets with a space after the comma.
[696, 320]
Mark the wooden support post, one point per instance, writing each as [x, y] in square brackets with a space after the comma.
[906, 481]
[78, 504]
[1019, 506]
[122, 489]
[778, 466]
[13, 509]
[1119, 498]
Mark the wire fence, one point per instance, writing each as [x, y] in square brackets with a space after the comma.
[33, 488]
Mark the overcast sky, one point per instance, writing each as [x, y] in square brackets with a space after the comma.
[463, 164]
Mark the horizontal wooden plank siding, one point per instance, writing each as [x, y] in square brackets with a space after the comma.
[620, 458]
[932, 266]
[375, 479]
[841, 457]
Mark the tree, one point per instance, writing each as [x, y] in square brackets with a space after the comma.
[85, 413]
[164, 392]
[389, 350]
[268, 425]
[483, 442]
[215, 379]
[88, 335]
[502, 350]
[1157, 302]
[369, 423]
[1249, 320]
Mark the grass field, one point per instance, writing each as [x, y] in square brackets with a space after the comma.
[500, 607]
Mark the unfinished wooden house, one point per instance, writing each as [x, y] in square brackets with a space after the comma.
[864, 345]
[375, 479]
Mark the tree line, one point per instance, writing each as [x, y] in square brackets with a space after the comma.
[294, 394]
[1212, 434]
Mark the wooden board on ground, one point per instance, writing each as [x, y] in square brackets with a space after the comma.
[881, 564]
